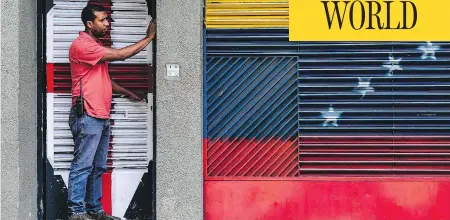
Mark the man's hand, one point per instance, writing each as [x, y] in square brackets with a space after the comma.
[151, 30]
[133, 96]
[112, 54]
[125, 92]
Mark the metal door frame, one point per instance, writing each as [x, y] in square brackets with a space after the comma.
[42, 111]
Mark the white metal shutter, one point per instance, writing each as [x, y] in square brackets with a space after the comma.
[131, 121]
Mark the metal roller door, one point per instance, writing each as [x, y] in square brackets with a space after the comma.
[127, 186]
[320, 130]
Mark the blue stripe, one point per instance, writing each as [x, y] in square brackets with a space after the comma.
[205, 99]
[250, 110]
[245, 98]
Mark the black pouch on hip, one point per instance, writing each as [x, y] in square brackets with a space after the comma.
[79, 106]
[79, 102]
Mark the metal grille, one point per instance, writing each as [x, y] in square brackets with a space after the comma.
[133, 77]
[63, 26]
[247, 13]
[131, 134]
[374, 108]
[129, 20]
[363, 108]
[249, 42]
[252, 116]
[129, 25]
[129, 148]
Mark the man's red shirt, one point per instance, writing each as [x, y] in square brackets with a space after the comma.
[84, 55]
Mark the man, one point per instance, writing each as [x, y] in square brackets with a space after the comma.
[90, 127]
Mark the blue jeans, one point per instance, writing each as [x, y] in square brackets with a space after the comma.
[91, 138]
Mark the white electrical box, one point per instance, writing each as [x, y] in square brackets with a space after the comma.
[173, 70]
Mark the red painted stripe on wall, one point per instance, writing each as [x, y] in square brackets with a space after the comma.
[271, 157]
[50, 76]
[205, 157]
[327, 155]
[134, 77]
[107, 192]
[411, 199]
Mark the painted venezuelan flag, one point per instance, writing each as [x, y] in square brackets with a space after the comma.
[320, 130]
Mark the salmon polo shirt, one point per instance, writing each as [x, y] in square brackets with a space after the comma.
[85, 54]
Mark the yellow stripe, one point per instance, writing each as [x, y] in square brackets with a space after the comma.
[247, 1]
[247, 13]
[225, 6]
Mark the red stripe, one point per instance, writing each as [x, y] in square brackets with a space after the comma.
[107, 192]
[107, 185]
[205, 157]
[133, 77]
[205, 170]
[405, 178]
[50, 78]
[243, 157]
[413, 199]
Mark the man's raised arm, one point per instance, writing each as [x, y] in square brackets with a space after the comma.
[112, 54]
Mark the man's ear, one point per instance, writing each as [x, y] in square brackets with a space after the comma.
[89, 24]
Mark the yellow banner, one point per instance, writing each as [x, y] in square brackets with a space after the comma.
[350, 20]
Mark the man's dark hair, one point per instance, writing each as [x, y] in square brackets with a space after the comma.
[88, 12]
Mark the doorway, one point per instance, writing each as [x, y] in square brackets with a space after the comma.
[129, 183]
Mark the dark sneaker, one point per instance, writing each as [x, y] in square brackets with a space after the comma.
[83, 216]
[103, 216]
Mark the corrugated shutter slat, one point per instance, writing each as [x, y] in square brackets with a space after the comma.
[374, 108]
[363, 108]
[130, 130]
[251, 105]
[247, 13]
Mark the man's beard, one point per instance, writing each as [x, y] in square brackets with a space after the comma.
[99, 34]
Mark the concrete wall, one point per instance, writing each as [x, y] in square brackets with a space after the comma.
[18, 115]
[179, 187]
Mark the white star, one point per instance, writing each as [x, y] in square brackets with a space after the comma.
[331, 117]
[392, 64]
[364, 86]
[429, 51]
